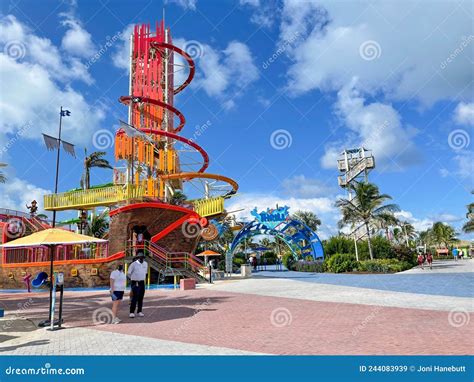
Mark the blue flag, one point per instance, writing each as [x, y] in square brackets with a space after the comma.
[65, 113]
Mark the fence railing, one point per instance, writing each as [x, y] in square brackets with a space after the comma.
[40, 255]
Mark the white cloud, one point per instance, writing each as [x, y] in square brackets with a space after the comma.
[418, 224]
[76, 41]
[38, 82]
[21, 44]
[186, 4]
[322, 206]
[121, 57]
[263, 14]
[300, 186]
[17, 192]
[464, 113]
[376, 126]
[412, 60]
[224, 74]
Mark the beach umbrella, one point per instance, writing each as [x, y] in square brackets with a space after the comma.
[51, 237]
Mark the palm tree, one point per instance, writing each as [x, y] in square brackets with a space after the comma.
[385, 221]
[442, 234]
[307, 217]
[178, 198]
[3, 178]
[99, 225]
[95, 159]
[468, 227]
[409, 232]
[366, 207]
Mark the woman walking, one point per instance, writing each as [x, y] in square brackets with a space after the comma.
[118, 281]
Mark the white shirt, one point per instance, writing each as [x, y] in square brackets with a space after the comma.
[138, 271]
[120, 280]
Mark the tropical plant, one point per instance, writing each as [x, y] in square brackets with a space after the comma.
[366, 207]
[468, 227]
[338, 244]
[99, 225]
[95, 159]
[404, 233]
[341, 262]
[178, 198]
[385, 221]
[3, 178]
[307, 217]
[442, 234]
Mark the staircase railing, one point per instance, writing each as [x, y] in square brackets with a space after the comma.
[166, 260]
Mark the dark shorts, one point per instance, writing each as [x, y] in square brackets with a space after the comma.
[117, 295]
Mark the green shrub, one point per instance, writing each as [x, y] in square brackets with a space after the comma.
[308, 266]
[340, 262]
[381, 248]
[403, 253]
[288, 260]
[338, 244]
[383, 266]
[238, 261]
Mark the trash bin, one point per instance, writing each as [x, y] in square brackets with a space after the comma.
[245, 270]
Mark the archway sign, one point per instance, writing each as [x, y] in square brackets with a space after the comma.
[300, 239]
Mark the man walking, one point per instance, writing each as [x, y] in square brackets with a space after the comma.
[137, 273]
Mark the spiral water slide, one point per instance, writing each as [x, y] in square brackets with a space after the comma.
[160, 160]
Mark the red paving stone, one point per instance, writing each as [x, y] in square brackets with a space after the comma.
[243, 321]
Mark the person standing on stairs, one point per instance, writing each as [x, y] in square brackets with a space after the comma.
[137, 273]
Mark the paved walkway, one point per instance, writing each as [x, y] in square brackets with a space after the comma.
[261, 315]
[443, 279]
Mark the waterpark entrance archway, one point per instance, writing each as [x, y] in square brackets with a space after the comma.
[300, 239]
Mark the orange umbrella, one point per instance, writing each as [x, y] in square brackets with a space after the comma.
[208, 253]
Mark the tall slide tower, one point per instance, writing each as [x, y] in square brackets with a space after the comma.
[155, 162]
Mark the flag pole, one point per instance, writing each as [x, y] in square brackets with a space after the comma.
[53, 248]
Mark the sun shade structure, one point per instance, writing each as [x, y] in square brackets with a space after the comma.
[52, 236]
[208, 253]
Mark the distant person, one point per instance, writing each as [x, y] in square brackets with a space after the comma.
[265, 263]
[429, 259]
[420, 259]
[137, 273]
[118, 280]
[455, 254]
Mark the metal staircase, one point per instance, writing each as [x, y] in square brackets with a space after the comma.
[168, 263]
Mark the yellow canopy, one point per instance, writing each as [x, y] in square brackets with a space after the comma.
[52, 236]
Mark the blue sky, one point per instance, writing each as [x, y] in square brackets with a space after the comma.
[321, 76]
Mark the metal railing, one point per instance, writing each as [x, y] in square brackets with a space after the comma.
[209, 207]
[91, 198]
